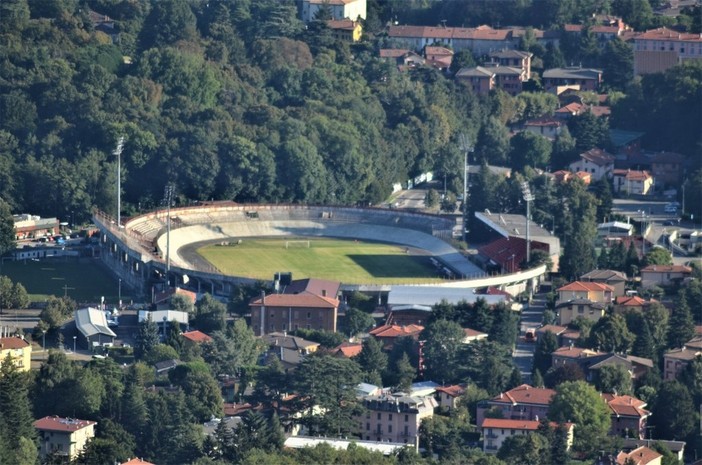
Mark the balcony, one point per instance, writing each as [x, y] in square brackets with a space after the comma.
[491, 436]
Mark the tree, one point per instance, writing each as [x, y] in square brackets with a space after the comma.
[610, 334]
[328, 383]
[644, 345]
[461, 59]
[529, 149]
[182, 303]
[441, 350]
[614, 378]
[489, 365]
[493, 142]
[545, 346]
[658, 256]
[530, 448]
[568, 372]
[16, 422]
[146, 339]
[681, 424]
[357, 321]
[7, 228]
[681, 327]
[210, 314]
[580, 228]
[618, 64]
[232, 350]
[580, 403]
[372, 360]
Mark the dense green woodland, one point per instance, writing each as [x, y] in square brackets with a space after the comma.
[239, 100]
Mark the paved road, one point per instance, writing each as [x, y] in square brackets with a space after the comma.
[523, 353]
[412, 198]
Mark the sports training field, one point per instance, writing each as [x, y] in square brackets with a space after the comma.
[86, 281]
[348, 261]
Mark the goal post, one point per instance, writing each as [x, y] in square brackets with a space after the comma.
[297, 244]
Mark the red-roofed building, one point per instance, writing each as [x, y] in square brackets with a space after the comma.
[508, 253]
[664, 275]
[289, 312]
[197, 337]
[639, 456]
[447, 396]
[667, 168]
[596, 292]
[163, 299]
[387, 334]
[472, 335]
[521, 403]
[628, 415]
[632, 182]
[339, 9]
[438, 57]
[348, 349]
[497, 430]
[634, 303]
[345, 30]
[137, 461]
[574, 356]
[63, 436]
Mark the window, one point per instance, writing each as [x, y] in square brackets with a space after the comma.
[379, 414]
[406, 417]
[285, 327]
[389, 416]
[309, 315]
[406, 430]
[367, 426]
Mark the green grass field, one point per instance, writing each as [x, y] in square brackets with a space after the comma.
[85, 282]
[348, 261]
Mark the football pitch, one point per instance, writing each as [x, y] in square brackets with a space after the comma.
[347, 261]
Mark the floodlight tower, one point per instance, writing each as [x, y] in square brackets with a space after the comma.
[466, 147]
[168, 199]
[118, 153]
[528, 198]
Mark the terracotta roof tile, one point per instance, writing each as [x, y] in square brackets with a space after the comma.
[303, 299]
[663, 33]
[552, 328]
[585, 286]
[667, 269]
[509, 252]
[349, 349]
[13, 343]
[59, 424]
[453, 391]
[529, 425]
[632, 175]
[640, 456]
[526, 394]
[396, 330]
[598, 157]
[137, 461]
[575, 352]
[196, 336]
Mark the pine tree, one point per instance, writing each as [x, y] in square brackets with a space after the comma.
[16, 420]
[681, 327]
[603, 259]
[405, 373]
[276, 434]
[644, 346]
[147, 338]
[515, 379]
[632, 261]
[537, 380]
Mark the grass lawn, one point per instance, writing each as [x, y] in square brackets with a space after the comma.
[348, 261]
[86, 281]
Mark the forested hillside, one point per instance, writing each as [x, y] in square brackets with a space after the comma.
[240, 100]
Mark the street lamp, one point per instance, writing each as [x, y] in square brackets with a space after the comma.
[118, 153]
[74, 344]
[119, 292]
[43, 342]
[528, 198]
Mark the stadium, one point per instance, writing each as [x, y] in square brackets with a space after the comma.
[142, 250]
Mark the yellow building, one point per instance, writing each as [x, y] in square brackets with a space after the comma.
[19, 350]
[63, 436]
[345, 30]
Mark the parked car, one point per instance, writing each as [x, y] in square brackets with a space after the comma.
[530, 335]
[670, 208]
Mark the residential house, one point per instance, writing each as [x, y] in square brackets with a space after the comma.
[614, 279]
[291, 350]
[196, 337]
[582, 299]
[676, 447]
[388, 334]
[63, 436]
[497, 430]
[632, 303]
[438, 57]
[639, 456]
[555, 329]
[520, 403]
[92, 326]
[472, 335]
[629, 416]
[448, 396]
[162, 300]
[595, 161]
[657, 50]
[563, 176]
[323, 287]
[405, 315]
[632, 182]
[514, 59]
[585, 78]
[571, 355]
[390, 418]
[367, 389]
[19, 351]
[163, 318]
[345, 30]
[339, 9]
[667, 168]
[675, 361]
[546, 127]
[348, 349]
[165, 366]
[508, 78]
[664, 275]
[289, 312]
[402, 57]
[604, 29]
[137, 461]
[637, 367]
[480, 79]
